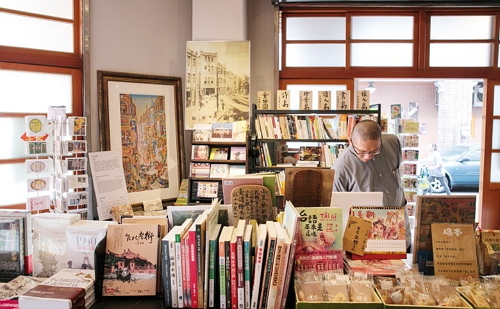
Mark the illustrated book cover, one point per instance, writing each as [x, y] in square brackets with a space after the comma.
[49, 242]
[319, 244]
[387, 236]
[11, 247]
[28, 244]
[131, 260]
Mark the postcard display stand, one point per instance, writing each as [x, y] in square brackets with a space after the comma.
[57, 178]
[407, 130]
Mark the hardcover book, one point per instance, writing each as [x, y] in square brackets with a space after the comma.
[291, 224]
[54, 297]
[168, 269]
[162, 222]
[82, 238]
[268, 264]
[281, 257]
[260, 247]
[28, 244]
[131, 260]
[224, 266]
[319, 246]
[18, 286]
[11, 247]
[213, 267]
[387, 236]
[49, 242]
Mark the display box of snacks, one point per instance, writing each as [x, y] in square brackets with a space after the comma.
[338, 291]
[417, 291]
[482, 295]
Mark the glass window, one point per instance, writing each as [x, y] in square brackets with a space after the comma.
[315, 55]
[495, 167]
[496, 134]
[13, 147]
[40, 90]
[496, 101]
[13, 184]
[54, 8]
[462, 27]
[382, 28]
[36, 33]
[316, 28]
[460, 55]
[382, 54]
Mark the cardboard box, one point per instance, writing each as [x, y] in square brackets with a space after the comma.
[377, 304]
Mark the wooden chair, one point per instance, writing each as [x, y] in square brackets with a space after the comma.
[253, 202]
[308, 187]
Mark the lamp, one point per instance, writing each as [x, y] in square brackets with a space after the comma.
[370, 87]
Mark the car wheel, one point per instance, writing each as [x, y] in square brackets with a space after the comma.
[436, 186]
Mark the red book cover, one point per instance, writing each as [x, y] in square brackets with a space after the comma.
[193, 285]
[233, 272]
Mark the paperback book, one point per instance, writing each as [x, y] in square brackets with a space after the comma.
[131, 260]
[49, 242]
[319, 244]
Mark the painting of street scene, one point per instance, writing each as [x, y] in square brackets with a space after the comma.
[217, 82]
[144, 142]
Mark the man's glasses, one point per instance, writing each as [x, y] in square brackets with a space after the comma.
[361, 153]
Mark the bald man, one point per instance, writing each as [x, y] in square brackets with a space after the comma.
[371, 164]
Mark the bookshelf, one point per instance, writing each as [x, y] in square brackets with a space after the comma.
[222, 159]
[271, 129]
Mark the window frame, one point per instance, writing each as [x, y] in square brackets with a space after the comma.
[34, 60]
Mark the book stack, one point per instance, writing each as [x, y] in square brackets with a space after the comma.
[66, 289]
[49, 242]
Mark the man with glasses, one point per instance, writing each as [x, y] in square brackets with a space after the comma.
[371, 164]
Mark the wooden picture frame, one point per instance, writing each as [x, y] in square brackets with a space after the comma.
[142, 116]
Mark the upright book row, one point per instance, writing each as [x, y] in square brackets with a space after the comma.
[324, 155]
[247, 265]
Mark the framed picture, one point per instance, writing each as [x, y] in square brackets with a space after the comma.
[142, 116]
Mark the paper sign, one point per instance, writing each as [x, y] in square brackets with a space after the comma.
[454, 251]
[411, 127]
[356, 235]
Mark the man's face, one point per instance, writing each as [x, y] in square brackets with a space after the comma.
[365, 150]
